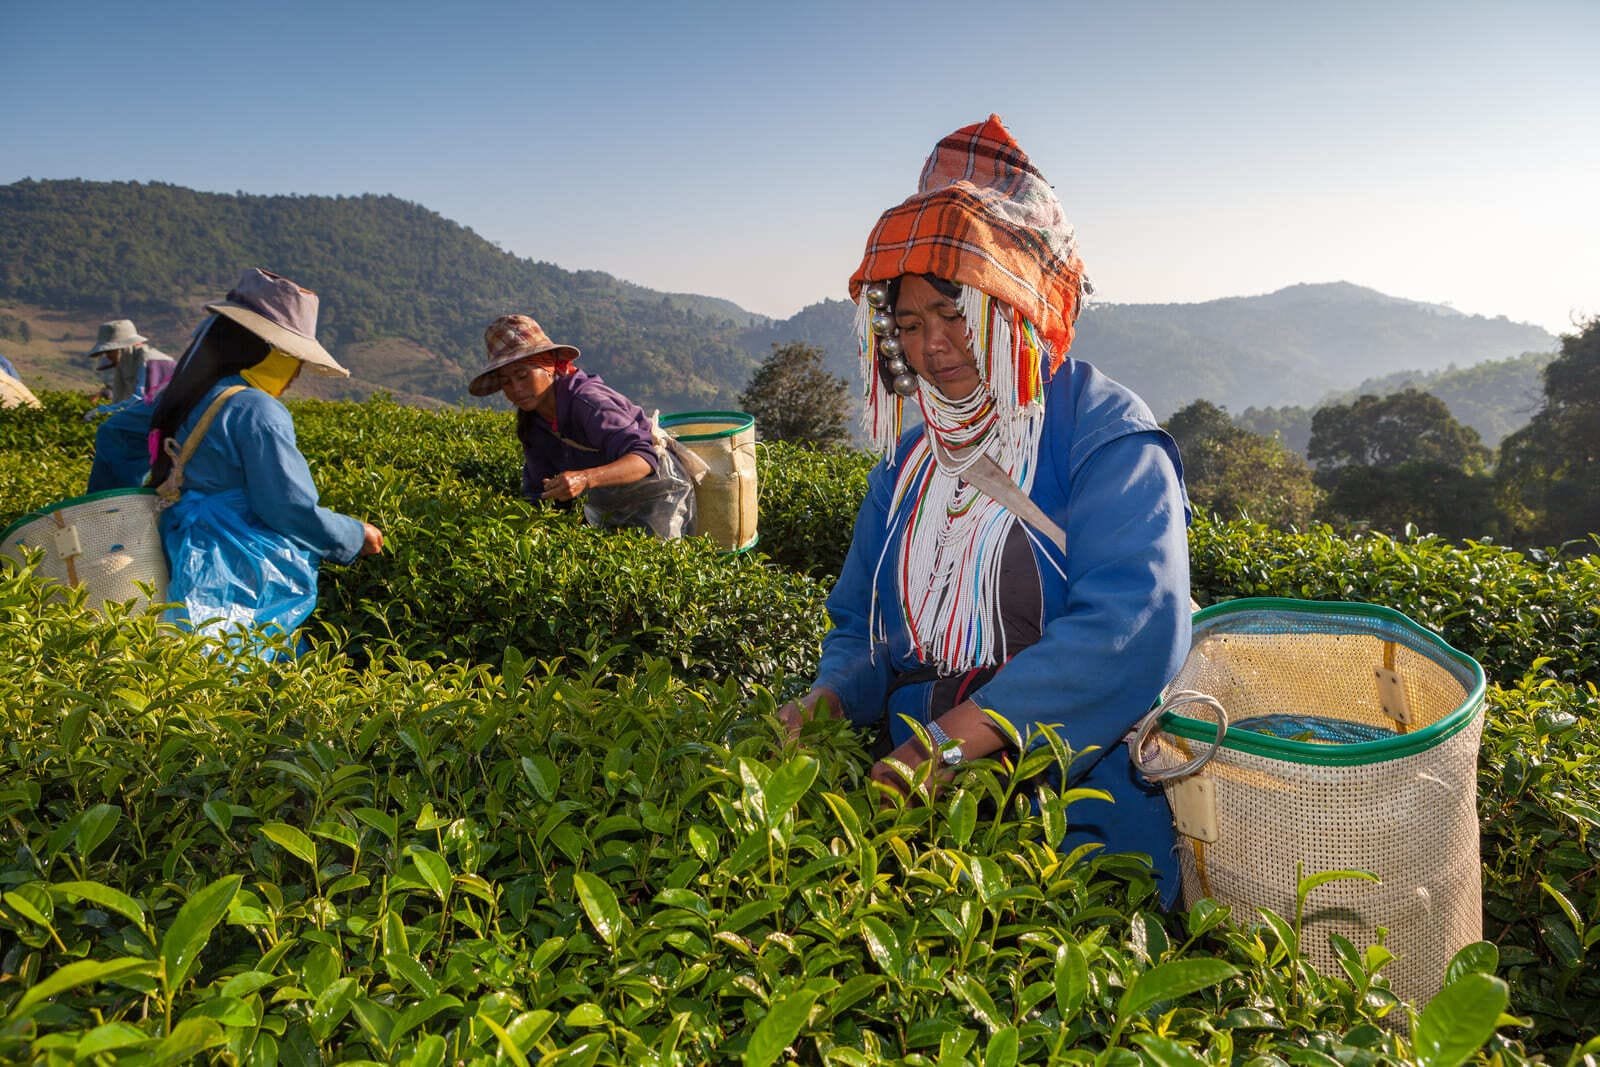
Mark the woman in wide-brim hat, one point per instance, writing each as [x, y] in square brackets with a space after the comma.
[244, 532]
[581, 439]
[1022, 551]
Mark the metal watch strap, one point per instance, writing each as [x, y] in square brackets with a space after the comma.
[947, 754]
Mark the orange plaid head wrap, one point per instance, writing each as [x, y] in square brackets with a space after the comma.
[983, 217]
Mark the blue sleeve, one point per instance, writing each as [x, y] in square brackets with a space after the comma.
[278, 485]
[848, 666]
[121, 449]
[1101, 663]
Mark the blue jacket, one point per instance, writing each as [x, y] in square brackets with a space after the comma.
[251, 446]
[1114, 631]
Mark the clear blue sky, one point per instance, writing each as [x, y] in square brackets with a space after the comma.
[1444, 152]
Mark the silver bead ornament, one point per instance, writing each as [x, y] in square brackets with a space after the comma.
[878, 296]
[896, 367]
[905, 384]
[882, 324]
[891, 347]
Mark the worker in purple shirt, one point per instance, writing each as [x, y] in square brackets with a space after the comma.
[583, 439]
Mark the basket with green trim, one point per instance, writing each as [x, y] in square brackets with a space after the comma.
[1303, 737]
[107, 542]
[725, 496]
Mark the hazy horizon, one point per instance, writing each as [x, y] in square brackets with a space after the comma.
[1442, 153]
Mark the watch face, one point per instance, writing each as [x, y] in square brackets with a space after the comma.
[950, 757]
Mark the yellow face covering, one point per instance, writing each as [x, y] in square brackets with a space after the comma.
[274, 373]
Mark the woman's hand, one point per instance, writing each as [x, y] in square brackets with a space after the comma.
[568, 485]
[371, 540]
[795, 714]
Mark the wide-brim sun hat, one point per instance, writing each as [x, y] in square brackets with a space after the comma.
[512, 339]
[117, 334]
[282, 314]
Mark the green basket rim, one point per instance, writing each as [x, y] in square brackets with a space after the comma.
[1356, 753]
[743, 419]
[68, 503]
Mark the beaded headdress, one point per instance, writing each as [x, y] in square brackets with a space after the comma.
[984, 218]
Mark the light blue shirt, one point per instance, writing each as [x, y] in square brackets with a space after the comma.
[251, 446]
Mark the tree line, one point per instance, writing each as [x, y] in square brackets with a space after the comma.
[1381, 463]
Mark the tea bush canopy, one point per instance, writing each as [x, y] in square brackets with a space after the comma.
[524, 800]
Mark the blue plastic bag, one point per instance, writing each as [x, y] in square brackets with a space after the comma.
[229, 571]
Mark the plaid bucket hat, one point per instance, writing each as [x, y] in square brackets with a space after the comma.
[511, 339]
[983, 215]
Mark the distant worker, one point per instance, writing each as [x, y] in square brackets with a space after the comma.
[133, 368]
[244, 534]
[581, 438]
[121, 444]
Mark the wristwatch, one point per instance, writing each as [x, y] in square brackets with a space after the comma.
[948, 753]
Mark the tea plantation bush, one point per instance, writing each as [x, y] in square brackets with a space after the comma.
[523, 802]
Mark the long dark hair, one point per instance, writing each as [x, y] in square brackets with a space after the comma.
[221, 347]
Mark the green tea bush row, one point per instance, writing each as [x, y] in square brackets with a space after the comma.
[1506, 610]
[809, 499]
[435, 862]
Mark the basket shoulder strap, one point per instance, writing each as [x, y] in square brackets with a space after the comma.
[169, 490]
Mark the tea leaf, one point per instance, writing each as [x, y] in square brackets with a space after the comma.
[434, 870]
[1172, 979]
[105, 896]
[188, 1039]
[73, 975]
[1459, 1019]
[600, 905]
[508, 1044]
[1001, 1050]
[778, 1028]
[190, 931]
[94, 826]
[292, 840]
[1167, 1053]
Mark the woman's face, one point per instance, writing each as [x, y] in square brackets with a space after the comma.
[526, 384]
[934, 337]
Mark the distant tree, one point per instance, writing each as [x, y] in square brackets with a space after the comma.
[1386, 462]
[1388, 431]
[1548, 477]
[1231, 471]
[794, 399]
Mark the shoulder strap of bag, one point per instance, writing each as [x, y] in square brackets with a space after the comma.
[997, 484]
[171, 489]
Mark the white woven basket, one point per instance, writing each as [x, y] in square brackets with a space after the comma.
[106, 542]
[1263, 808]
[725, 498]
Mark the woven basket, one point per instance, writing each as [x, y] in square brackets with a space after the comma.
[725, 499]
[1263, 809]
[105, 542]
[13, 394]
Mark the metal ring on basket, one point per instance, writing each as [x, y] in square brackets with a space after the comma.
[1147, 726]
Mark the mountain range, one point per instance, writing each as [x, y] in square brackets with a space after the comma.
[406, 294]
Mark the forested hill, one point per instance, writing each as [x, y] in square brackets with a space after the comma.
[387, 271]
[406, 294]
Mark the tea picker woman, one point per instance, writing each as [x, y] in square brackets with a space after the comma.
[581, 439]
[243, 531]
[1023, 549]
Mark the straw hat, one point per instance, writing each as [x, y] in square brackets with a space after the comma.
[117, 334]
[282, 314]
[510, 339]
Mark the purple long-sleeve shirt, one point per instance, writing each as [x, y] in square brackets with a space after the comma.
[595, 425]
